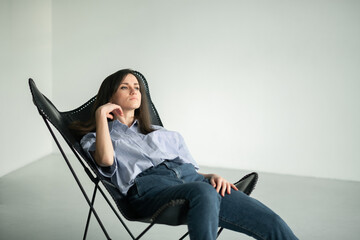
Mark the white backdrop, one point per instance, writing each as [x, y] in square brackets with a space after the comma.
[25, 51]
[261, 85]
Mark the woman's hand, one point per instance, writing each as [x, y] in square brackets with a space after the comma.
[110, 110]
[221, 185]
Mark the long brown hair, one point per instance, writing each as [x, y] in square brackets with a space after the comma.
[107, 89]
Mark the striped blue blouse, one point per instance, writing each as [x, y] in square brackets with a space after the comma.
[135, 152]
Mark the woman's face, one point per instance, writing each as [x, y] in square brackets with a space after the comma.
[128, 95]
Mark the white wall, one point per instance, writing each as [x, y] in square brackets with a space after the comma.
[25, 51]
[261, 85]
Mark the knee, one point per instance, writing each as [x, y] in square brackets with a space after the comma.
[205, 193]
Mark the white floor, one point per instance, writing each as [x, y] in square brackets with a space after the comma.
[42, 201]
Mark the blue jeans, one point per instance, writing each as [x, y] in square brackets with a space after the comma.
[207, 209]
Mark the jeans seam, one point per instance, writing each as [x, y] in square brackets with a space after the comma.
[252, 231]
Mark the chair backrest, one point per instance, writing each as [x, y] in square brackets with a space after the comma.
[61, 120]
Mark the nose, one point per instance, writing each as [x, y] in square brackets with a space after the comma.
[132, 90]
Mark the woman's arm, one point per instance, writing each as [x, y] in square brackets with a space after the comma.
[104, 153]
[221, 184]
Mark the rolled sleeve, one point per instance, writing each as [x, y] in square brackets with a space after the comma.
[88, 144]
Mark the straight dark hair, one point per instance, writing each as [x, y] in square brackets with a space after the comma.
[107, 89]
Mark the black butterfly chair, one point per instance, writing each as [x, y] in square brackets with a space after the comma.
[173, 213]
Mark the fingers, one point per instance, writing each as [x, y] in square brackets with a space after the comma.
[212, 182]
[228, 188]
[118, 112]
[115, 109]
[109, 115]
[224, 189]
[218, 186]
[234, 187]
[111, 110]
[222, 186]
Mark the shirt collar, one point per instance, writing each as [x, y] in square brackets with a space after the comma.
[135, 124]
[117, 124]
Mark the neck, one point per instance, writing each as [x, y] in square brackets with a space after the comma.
[128, 118]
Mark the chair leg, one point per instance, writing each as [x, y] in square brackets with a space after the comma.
[146, 229]
[220, 230]
[76, 179]
[184, 236]
[116, 213]
[90, 212]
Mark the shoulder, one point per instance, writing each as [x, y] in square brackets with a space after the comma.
[157, 127]
[160, 129]
[162, 132]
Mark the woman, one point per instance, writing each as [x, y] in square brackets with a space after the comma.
[151, 166]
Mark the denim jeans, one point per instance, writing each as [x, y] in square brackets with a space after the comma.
[207, 209]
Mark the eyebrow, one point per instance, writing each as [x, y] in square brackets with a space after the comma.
[128, 83]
